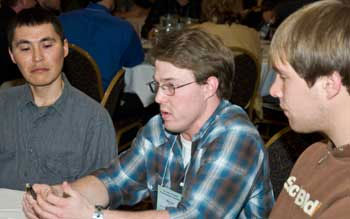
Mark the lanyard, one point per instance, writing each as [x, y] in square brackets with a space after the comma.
[167, 164]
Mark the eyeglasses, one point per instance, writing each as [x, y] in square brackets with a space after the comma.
[167, 89]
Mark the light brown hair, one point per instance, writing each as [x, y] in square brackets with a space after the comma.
[315, 41]
[200, 52]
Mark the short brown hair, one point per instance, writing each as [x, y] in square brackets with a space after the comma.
[201, 52]
[315, 41]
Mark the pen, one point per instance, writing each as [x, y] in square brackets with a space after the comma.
[30, 190]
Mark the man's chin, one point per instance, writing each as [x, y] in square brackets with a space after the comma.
[300, 128]
[172, 128]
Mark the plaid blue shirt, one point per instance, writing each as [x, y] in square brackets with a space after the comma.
[227, 177]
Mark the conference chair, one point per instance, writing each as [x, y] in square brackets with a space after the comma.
[283, 149]
[83, 73]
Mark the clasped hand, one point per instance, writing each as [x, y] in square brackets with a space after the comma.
[54, 202]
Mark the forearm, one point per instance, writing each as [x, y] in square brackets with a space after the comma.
[92, 189]
[151, 214]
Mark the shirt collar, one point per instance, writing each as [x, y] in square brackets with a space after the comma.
[339, 152]
[202, 131]
[27, 97]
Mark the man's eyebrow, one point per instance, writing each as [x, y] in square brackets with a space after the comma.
[167, 79]
[21, 42]
[45, 39]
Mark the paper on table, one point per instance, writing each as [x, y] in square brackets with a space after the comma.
[11, 204]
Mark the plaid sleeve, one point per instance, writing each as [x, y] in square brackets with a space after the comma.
[126, 179]
[232, 180]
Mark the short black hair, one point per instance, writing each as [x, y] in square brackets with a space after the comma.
[33, 17]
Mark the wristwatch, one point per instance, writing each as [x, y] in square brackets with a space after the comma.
[98, 214]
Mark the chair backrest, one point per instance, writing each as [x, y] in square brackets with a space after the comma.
[83, 73]
[113, 95]
[284, 148]
[246, 80]
[126, 127]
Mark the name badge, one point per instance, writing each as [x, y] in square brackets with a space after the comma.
[167, 198]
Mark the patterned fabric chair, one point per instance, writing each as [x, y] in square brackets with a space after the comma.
[112, 102]
[83, 73]
[284, 148]
[246, 80]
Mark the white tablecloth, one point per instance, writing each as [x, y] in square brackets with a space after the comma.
[267, 74]
[11, 204]
[136, 79]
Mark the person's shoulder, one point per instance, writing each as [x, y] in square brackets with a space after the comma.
[154, 131]
[232, 120]
[80, 99]
[11, 94]
[154, 123]
[121, 23]
[232, 116]
[312, 154]
[339, 208]
[316, 149]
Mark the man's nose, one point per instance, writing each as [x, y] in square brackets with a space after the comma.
[37, 54]
[160, 96]
[276, 88]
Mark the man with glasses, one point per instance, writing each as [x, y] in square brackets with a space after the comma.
[200, 157]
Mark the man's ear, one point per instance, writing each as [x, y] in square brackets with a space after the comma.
[212, 86]
[333, 84]
[65, 47]
[11, 55]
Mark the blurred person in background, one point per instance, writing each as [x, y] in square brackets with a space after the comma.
[180, 8]
[138, 8]
[282, 10]
[52, 5]
[222, 18]
[136, 15]
[111, 41]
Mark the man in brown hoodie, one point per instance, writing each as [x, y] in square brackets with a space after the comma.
[310, 52]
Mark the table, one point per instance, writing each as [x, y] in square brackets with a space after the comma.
[11, 204]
